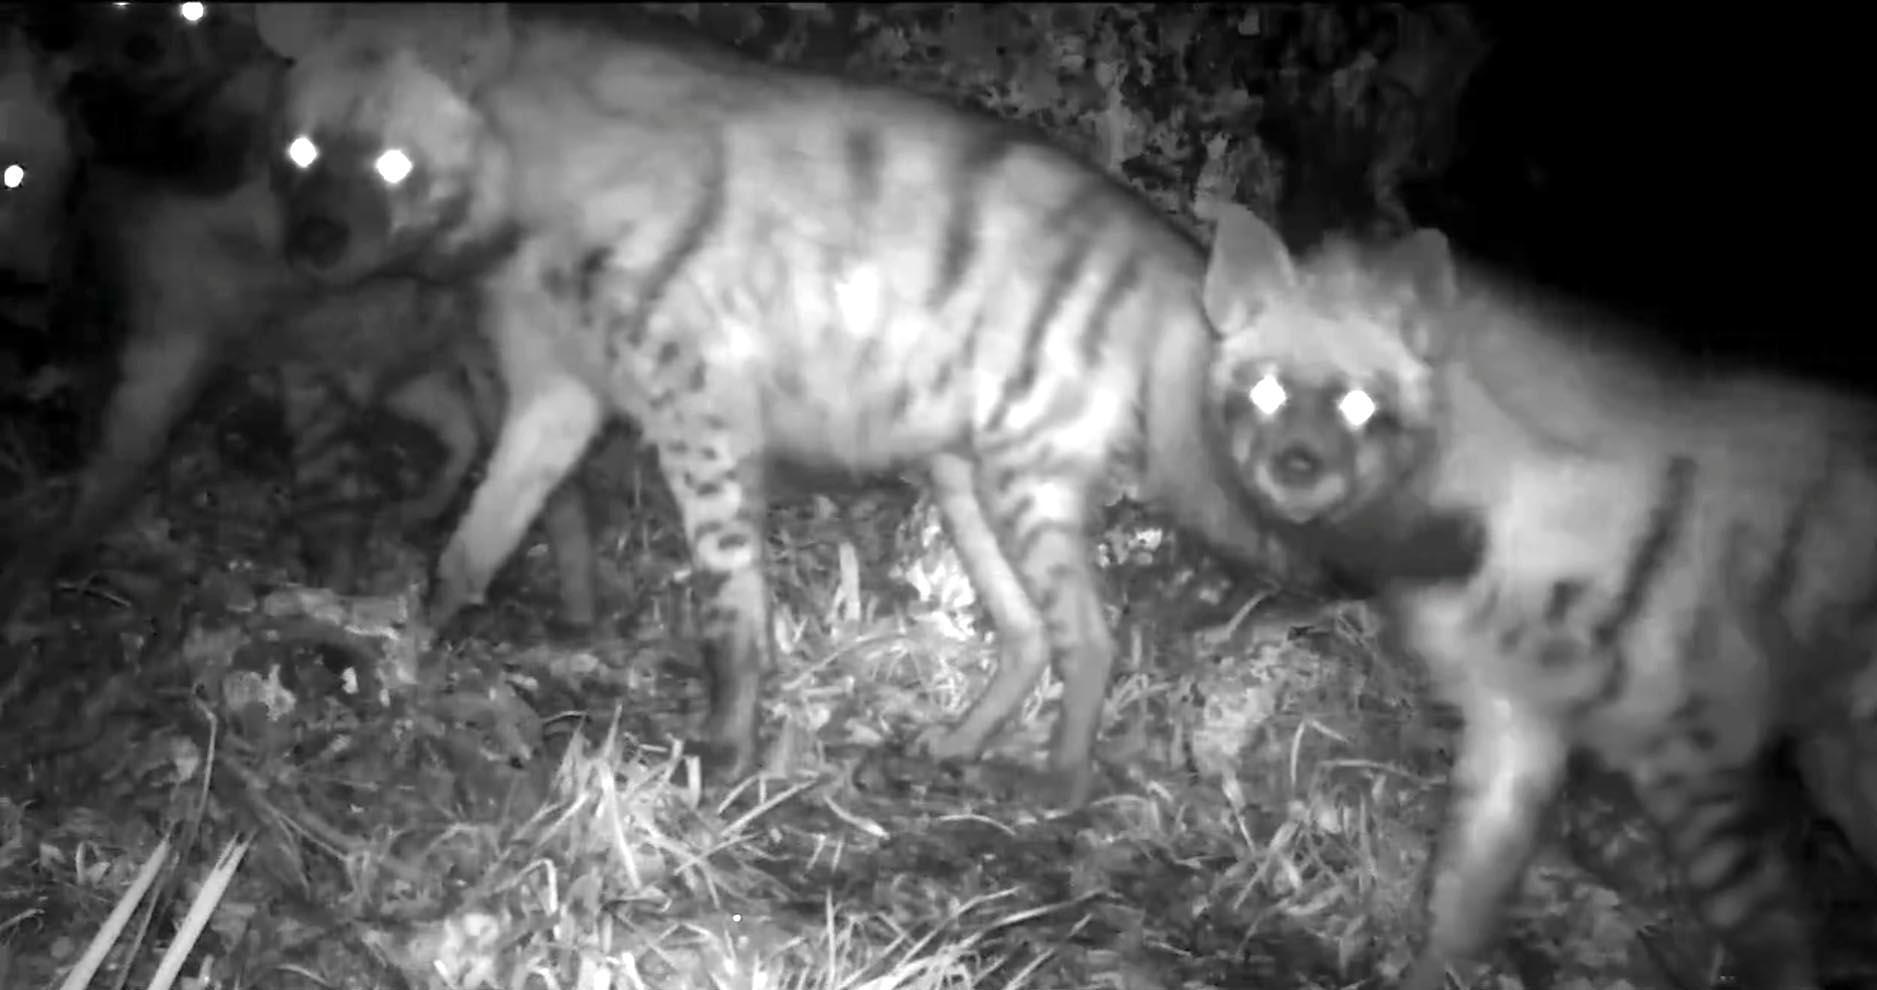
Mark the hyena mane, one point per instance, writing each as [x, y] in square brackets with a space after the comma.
[759, 264]
[1673, 567]
[194, 283]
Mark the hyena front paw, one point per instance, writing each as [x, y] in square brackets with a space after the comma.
[723, 761]
[457, 586]
[1070, 787]
[1429, 972]
[950, 744]
[334, 565]
[414, 515]
[566, 628]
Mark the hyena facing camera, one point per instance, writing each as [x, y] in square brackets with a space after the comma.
[757, 263]
[197, 284]
[1673, 566]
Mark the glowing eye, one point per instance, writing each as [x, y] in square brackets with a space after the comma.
[393, 166]
[193, 12]
[303, 152]
[1268, 395]
[13, 178]
[1356, 407]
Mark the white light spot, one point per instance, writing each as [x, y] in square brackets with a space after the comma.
[1268, 396]
[302, 152]
[1356, 407]
[860, 299]
[14, 177]
[393, 166]
[193, 12]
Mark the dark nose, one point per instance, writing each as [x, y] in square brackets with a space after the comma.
[142, 50]
[1297, 464]
[320, 240]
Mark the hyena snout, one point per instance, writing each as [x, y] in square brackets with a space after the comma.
[318, 240]
[1298, 464]
[1300, 476]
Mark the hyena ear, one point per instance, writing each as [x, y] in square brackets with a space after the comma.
[1248, 260]
[1423, 261]
[292, 29]
[462, 42]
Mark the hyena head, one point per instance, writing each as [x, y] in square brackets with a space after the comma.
[1324, 391]
[38, 161]
[383, 166]
[151, 87]
[150, 45]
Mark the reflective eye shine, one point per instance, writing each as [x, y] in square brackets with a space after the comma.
[1356, 408]
[393, 166]
[13, 177]
[193, 12]
[302, 152]
[1268, 396]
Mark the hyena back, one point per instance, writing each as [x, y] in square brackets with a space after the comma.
[197, 284]
[755, 263]
[1673, 566]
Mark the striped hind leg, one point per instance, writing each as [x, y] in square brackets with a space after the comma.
[327, 496]
[1724, 841]
[438, 401]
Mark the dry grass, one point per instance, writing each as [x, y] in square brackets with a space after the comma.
[511, 811]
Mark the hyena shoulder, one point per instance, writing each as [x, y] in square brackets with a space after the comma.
[1561, 388]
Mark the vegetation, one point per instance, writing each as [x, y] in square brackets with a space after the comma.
[509, 810]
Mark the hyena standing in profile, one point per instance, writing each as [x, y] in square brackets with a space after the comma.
[191, 271]
[1674, 567]
[758, 263]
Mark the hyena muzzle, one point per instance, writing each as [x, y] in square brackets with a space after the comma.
[757, 264]
[1671, 572]
[196, 281]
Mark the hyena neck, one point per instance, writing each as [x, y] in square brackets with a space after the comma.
[483, 225]
[1570, 379]
[1401, 542]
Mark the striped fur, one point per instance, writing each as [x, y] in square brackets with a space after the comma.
[195, 281]
[755, 264]
[1673, 566]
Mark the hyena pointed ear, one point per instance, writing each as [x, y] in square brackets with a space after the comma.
[465, 44]
[291, 29]
[1424, 261]
[1248, 259]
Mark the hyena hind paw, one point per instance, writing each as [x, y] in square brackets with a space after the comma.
[722, 764]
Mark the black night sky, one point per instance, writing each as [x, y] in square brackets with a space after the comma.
[1670, 163]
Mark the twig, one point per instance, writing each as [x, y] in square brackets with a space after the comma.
[80, 975]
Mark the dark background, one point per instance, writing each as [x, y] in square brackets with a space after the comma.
[1676, 165]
